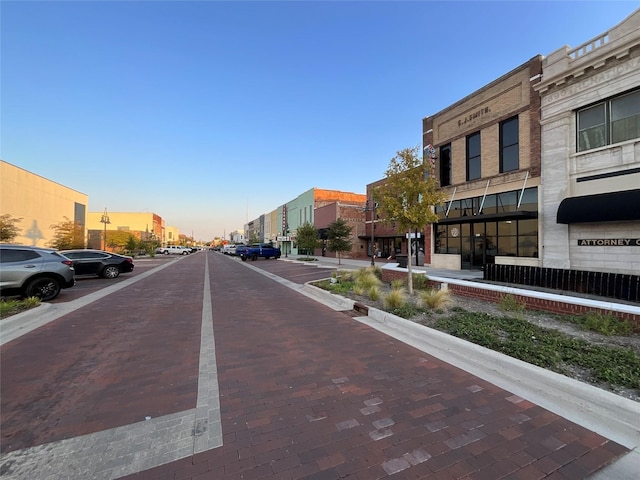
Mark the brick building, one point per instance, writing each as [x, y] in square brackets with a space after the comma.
[488, 164]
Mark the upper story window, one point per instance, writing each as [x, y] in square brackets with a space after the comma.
[474, 170]
[612, 121]
[509, 145]
[445, 165]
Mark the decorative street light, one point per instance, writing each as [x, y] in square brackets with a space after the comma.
[286, 237]
[105, 220]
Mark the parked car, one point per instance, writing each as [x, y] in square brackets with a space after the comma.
[173, 249]
[34, 272]
[229, 249]
[98, 262]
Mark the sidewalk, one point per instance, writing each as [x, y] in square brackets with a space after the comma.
[608, 414]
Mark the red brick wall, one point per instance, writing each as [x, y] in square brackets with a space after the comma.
[554, 306]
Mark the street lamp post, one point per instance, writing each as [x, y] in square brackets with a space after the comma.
[105, 220]
[284, 244]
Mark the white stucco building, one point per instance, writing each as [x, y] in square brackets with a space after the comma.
[590, 153]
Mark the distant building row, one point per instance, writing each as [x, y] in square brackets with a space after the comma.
[541, 167]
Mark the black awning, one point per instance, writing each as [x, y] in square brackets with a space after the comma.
[604, 207]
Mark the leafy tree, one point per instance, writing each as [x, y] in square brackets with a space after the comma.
[118, 239]
[67, 235]
[132, 244]
[9, 228]
[408, 195]
[307, 238]
[339, 237]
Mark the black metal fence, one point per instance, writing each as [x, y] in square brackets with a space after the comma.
[603, 284]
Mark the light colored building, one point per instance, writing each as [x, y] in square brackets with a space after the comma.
[143, 226]
[591, 153]
[39, 203]
[237, 236]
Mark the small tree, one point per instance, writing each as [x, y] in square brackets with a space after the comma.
[132, 244]
[409, 194]
[307, 237]
[8, 228]
[119, 239]
[67, 235]
[339, 237]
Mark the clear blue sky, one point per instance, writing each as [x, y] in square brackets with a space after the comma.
[211, 113]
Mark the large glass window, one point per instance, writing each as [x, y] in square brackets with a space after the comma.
[445, 165]
[625, 117]
[509, 145]
[592, 129]
[612, 121]
[474, 166]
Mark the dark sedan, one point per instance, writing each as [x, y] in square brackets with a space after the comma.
[98, 262]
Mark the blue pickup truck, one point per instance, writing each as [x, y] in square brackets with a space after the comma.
[257, 250]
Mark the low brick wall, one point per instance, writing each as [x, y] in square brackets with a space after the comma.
[533, 303]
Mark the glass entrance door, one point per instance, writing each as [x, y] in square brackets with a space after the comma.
[473, 245]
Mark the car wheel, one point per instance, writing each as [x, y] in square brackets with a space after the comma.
[244, 259]
[112, 271]
[254, 257]
[45, 288]
[166, 252]
[185, 253]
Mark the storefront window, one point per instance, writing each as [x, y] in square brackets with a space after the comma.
[529, 202]
[507, 202]
[489, 206]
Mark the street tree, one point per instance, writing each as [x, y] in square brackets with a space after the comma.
[408, 195]
[339, 237]
[67, 235]
[132, 244]
[118, 240]
[307, 238]
[9, 228]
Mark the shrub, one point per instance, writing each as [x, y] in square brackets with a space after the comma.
[435, 298]
[420, 281]
[12, 306]
[358, 289]
[397, 284]
[395, 299]
[509, 303]
[605, 323]
[374, 292]
[367, 279]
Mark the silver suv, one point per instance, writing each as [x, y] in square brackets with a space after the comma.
[34, 272]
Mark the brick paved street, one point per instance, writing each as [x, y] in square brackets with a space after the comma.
[304, 392]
